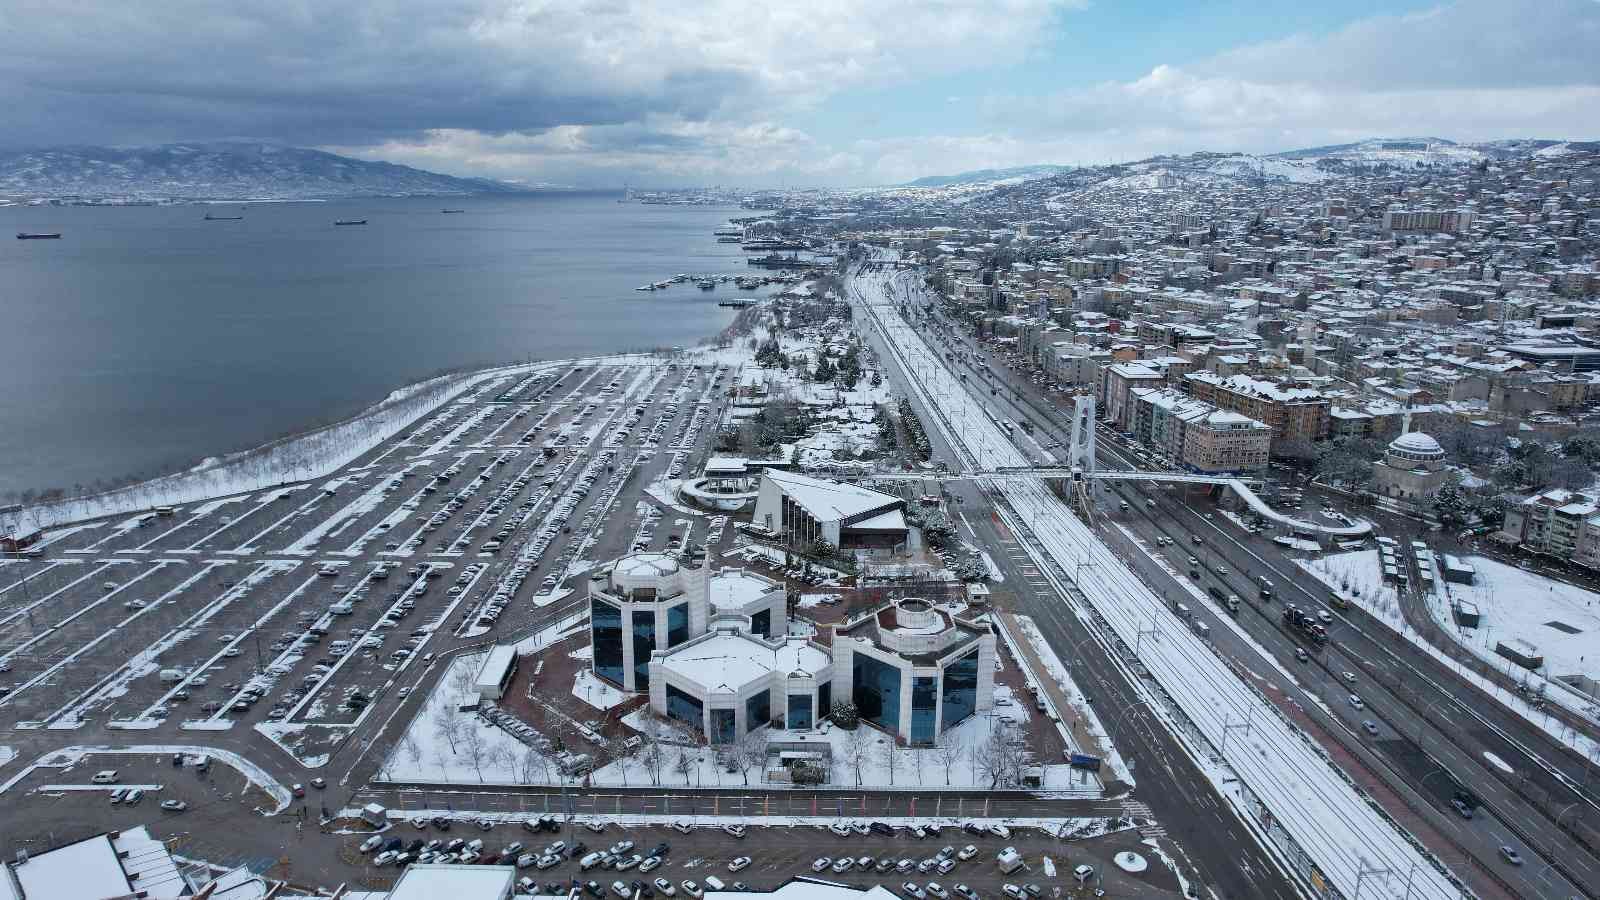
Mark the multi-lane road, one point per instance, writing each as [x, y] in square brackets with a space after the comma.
[1437, 735]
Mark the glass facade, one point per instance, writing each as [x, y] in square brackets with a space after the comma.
[799, 712]
[722, 726]
[960, 690]
[761, 623]
[677, 625]
[606, 626]
[685, 709]
[877, 691]
[924, 709]
[644, 642]
[824, 699]
[757, 710]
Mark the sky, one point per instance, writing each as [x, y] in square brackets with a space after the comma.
[820, 93]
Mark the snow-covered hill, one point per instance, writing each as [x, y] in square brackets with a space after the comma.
[232, 171]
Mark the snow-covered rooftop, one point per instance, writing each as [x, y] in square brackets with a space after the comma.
[828, 500]
[91, 869]
[430, 882]
[735, 588]
[733, 660]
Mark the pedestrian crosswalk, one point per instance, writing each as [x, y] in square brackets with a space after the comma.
[1142, 817]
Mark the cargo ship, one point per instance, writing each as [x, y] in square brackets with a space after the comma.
[210, 218]
[38, 235]
[350, 222]
[449, 211]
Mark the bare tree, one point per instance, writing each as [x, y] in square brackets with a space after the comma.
[749, 752]
[949, 756]
[652, 754]
[448, 726]
[531, 766]
[887, 752]
[502, 758]
[683, 764]
[412, 750]
[997, 757]
[857, 747]
[473, 742]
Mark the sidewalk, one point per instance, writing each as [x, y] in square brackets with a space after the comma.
[1079, 739]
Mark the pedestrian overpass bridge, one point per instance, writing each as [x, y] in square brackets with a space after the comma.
[1241, 486]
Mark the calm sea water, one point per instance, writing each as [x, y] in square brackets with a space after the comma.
[147, 338]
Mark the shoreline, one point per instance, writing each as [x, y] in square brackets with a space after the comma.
[291, 459]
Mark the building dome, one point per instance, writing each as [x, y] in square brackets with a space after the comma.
[638, 571]
[1416, 445]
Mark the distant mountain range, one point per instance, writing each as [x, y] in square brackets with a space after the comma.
[989, 176]
[226, 171]
[1311, 164]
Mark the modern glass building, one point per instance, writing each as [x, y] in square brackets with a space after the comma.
[647, 602]
[914, 669]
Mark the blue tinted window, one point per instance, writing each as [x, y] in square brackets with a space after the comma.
[607, 630]
[824, 699]
[722, 726]
[644, 641]
[757, 710]
[877, 692]
[960, 690]
[799, 711]
[924, 701]
[761, 623]
[677, 625]
[685, 709]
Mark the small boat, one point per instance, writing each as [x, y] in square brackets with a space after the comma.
[706, 285]
[350, 222]
[645, 287]
[210, 218]
[38, 235]
[449, 211]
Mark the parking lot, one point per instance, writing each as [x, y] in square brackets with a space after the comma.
[773, 855]
[301, 605]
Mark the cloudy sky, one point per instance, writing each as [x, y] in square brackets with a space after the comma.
[771, 92]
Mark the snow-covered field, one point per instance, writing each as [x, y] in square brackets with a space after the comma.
[1341, 831]
[1560, 619]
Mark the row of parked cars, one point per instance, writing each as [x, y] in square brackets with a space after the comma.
[943, 862]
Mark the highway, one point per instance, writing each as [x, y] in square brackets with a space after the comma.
[1325, 819]
[1447, 718]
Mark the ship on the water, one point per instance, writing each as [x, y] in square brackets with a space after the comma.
[210, 218]
[449, 211]
[739, 303]
[350, 222]
[38, 235]
[779, 261]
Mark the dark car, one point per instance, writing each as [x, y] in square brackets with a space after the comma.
[882, 828]
[441, 823]
[416, 846]
[662, 849]
[393, 844]
[594, 889]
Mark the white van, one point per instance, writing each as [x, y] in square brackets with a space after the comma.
[105, 776]
[713, 883]
[171, 676]
[1201, 629]
[342, 609]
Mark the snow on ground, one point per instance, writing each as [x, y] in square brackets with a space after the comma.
[1337, 827]
[1361, 569]
[1113, 759]
[430, 751]
[1562, 620]
[67, 757]
[7, 754]
[596, 693]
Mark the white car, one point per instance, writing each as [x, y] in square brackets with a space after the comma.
[843, 864]
[911, 890]
[371, 843]
[1355, 702]
[692, 889]
[1083, 873]
[935, 889]
[967, 852]
[178, 806]
[821, 864]
[739, 863]
[665, 888]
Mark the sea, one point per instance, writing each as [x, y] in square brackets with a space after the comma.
[148, 338]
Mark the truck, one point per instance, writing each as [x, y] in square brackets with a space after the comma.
[1304, 625]
[1084, 761]
[1009, 860]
